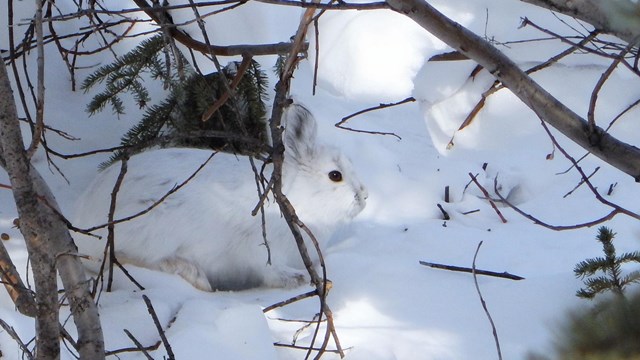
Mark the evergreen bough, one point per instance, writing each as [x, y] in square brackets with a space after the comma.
[125, 74]
[236, 126]
[612, 278]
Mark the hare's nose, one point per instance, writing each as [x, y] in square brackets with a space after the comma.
[364, 192]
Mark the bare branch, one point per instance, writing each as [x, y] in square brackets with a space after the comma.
[12, 332]
[21, 295]
[621, 155]
[603, 78]
[488, 197]
[616, 209]
[341, 123]
[156, 322]
[188, 41]
[139, 346]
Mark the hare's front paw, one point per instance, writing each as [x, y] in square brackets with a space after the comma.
[187, 270]
[285, 277]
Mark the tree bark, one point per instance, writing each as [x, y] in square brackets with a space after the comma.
[49, 244]
[621, 155]
[615, 17]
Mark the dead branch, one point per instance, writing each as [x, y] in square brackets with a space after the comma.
[14, 335]
[504, 275]
[616, 209]
[603, 78]
[582, 46]
[21, 296]
[156, 322]
[139, 346]
[488, 197]
[445, 214]
[290, 301]
[621, 155]
[497, 86]
[246, 61]
[111, 242]
[484, 304]
[288, 212]
[580, 183]
[586, 178]
[188, 41]
[341, 123]
[306, 348]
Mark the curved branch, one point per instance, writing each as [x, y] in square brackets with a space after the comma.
[621, 155]
[188, 41]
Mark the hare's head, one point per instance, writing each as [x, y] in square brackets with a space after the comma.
[321, 182]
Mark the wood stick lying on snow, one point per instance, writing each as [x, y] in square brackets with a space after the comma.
[504, 275]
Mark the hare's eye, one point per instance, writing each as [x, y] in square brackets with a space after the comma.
[335, 176]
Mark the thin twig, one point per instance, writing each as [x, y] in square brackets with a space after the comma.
[14, 335]
[484, 304]
[299, 347]
[341, 123]
[156, 321]
[188, 41]
[486, 194]
[586, 178]
[616, 209]
[139, 346]
[290, 300]
[111, 244]
[244, 65]
[581, 182]
[596, 90]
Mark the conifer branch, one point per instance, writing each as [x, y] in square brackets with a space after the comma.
[612, 278]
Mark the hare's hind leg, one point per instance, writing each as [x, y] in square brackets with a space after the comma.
[279, 276]
[187, 270]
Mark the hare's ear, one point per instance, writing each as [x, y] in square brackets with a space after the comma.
[300, 131]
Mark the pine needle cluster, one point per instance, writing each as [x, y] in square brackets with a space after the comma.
[125, 74]
[236, 126]
[611, 278]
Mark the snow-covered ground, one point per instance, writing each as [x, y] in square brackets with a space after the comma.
[386, 305]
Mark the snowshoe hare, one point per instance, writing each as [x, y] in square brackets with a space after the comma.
[205, 231]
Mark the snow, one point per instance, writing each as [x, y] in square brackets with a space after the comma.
[386, 305]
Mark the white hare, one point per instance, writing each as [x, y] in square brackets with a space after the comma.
[205, 231]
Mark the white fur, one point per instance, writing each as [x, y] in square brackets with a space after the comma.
[205, 232]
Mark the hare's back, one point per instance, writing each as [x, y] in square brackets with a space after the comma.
[151, 175]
